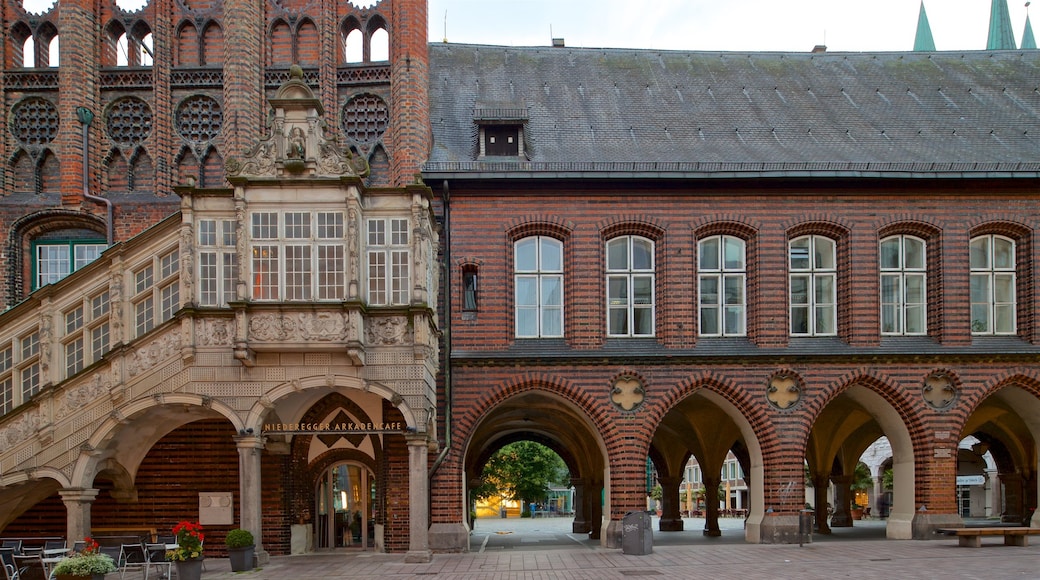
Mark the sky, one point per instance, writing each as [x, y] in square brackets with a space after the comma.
[719, 25]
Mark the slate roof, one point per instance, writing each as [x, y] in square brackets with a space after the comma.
[708, 114]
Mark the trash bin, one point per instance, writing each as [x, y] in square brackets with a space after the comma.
[805, 526]
[502, 512]
[637, 534]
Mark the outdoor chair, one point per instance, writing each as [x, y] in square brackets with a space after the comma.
[156, 555]
[133, 557]
[29, 567]
[52, 545]
[114, 552]
[7, 562]
[15, 545]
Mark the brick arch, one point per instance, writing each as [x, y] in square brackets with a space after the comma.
[33, 225]
[885, 386]
[552, 226]
[1024, 378]
[212, 43]
[910, 226]
[831, 229]
[187, 51]
[998, 225]
[1023, 238]
[728, 227]
[112, 31]
[645, 226]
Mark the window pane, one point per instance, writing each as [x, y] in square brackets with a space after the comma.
[331, 275]
[890, 254]
[709, 290]
[799, 254]
[915, 319]
[914, 251]
[265, 272]
[915, 289]
[979, 253]
[526, 291]
[552, 255]
[376, 233]
[87, 253]
[734, 250]
[265, 226]
[734, 289]
[208, 278]
[709, 321]
[799, 289]
[709, 254]
[527, 255]
[824, 320]
[1003, 288]
[618, 321]
[527, 322]
[734, 320]
[1004, 319]
[643, 321]
[980, 317]
[890, 318]
[552, 322]
[800, 320]
[297, 225]
[1003, 254]
[552, 292]
[824, 253]
[617, 254]
[297, 272]
[890, 290]
[980, 289]
[617, 291]
[642, 290]
[825, 289]
[207, 232]
[642, 254]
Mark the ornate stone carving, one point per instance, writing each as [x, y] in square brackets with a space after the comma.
[627, 393]
[785, 391]
[387, 330]
[938, 390]
[79, 397]
[215, 332]
[151, 354]
[21, 429]
[317, 326]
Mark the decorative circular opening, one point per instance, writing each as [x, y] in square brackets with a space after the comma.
[34, 121]
[199, 119]
[129, 121]
[365, 118]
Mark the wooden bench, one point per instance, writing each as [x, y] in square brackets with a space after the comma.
[972, 537]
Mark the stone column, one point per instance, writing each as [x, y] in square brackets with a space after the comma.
[580, 525]
[671, 520]
[249, 491]
[1013, 508]
[820, 483]
[77, 502]
[418, 500]
[711, 503]
[842, 517]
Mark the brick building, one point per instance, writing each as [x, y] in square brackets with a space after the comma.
[342, 267]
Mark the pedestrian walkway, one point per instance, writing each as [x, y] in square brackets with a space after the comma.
[544, 549]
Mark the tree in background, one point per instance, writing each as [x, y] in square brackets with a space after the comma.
[521, 471]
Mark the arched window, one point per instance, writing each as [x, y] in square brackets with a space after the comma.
[903, 286]
[380, 45]
[722, 281]
[993, 285]
[812, 267]
[538, 282]
[630, 286]
[354, 47]
[53, 52]
[29, 53]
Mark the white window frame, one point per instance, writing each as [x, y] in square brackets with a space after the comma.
[543, 275]
[388, 261]
[156, 291]
[626, 277]
[218, 261]
[819, 276]
[994, 285]
[86, 337]
[903, 286]
[298, 256]
[727, 305]
[54, 260]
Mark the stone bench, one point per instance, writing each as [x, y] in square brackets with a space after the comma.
[972, 537]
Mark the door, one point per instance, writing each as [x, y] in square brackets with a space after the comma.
[345, 498]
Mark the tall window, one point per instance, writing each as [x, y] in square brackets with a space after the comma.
[630, 286]
[903, 296]
[388, 262]
[722, 281]
[992, 260]
[55, 259]
[19, 370]
[812, 268]
[538, 279]
[156, 291]
[218, 262]
[298, 255]
[86, 336]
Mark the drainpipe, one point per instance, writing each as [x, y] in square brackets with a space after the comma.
[448, 301]
[85, 117]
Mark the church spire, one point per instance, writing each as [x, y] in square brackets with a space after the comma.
[1000, 35]
[923, 41]
[1028, 40]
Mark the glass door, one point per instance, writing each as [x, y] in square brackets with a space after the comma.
[345, 497]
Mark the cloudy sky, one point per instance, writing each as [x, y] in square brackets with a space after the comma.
[739, 25]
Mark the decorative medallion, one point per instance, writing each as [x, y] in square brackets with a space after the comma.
[938, 390]
[365, 118]
[627, 393]
[129, 121]
[34, 121]
[784, 391]
[199, 119]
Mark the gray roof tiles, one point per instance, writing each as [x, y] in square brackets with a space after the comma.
[598, 110]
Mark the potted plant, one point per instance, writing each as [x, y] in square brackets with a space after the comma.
[240, 547]
[87, 564]
[187, 556]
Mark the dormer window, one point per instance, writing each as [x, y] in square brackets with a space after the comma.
[501, 140]
[501, 131]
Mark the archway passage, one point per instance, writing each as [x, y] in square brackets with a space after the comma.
[849, 424]
[705, 463]
[345, 507]
[1007, 425]
[551, 421]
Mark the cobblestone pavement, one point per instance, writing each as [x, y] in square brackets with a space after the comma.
[546, 551]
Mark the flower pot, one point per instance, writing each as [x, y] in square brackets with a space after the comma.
[189, 569]
[241, 558]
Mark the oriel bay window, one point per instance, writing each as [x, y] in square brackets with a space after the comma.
[630, 286]
[218, 262]
[388, 258]
[993, 285]
[813, 279]
[538, 282]
[298, 255]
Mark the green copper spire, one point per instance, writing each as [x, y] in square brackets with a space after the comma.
[923, 41]
[1000, 35]
[1028, 41]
